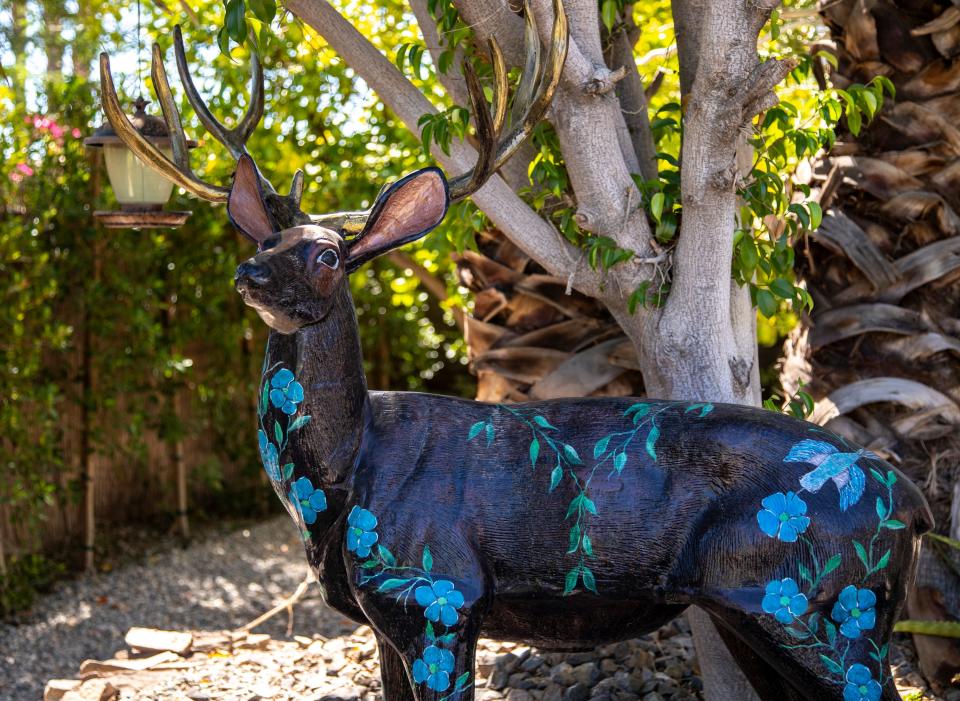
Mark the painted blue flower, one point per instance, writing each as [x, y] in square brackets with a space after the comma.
[784, 600]
[360, 533]
[307, 500]
[285, 391]
[783, 516]
[434, 668]
[268, 454]
[854, 611]
[440, 601]
[861, 686]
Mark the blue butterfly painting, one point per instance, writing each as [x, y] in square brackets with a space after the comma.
[831, 464]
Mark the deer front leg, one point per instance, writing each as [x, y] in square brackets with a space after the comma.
[427, 631]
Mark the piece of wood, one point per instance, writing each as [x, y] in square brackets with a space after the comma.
[153, 640]
[92, 690]
[56, 688]
[914, 395]
[95, 668]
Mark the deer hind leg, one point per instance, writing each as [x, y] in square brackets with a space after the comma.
[811, 662]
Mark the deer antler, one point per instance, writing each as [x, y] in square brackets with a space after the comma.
[537, 85]
[178, 169]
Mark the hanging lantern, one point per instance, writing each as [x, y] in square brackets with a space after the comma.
[140, 190]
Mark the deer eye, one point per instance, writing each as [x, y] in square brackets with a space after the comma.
[329, 258]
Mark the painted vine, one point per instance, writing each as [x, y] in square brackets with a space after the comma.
[612, 450]
[438, 598]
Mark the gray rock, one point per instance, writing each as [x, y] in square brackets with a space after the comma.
[586, 673]
[577, 692]
[563, 674]
[519, 695]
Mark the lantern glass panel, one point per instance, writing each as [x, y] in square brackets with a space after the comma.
[134, 184]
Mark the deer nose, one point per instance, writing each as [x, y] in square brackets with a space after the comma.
[252, 272]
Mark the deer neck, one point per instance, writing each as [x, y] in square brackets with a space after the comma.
[325, 359]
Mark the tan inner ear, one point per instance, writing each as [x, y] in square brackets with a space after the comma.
[245, 204]
[416, 206]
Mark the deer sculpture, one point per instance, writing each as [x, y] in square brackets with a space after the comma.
[563, 524]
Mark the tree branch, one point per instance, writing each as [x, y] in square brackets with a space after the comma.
[589, 127]
[633, 100]
[536, 237]
[452, 81]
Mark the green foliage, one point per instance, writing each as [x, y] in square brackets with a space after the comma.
[26, 576]
[799, 405]
[158, 306]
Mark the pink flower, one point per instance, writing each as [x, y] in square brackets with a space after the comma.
[16, 177]
[75, 133]
[25, 169]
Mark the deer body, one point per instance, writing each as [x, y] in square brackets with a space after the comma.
[564, 523]
[451, 500]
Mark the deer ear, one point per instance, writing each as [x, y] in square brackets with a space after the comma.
[404, 211]
[245, 203]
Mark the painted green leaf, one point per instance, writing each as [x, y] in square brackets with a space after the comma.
[448, 638]
[883, 651]
[574, 505]
[369, 564]
[490, 434]
[832, 564]
[431, 635]
[877, 476]
[278, 433]
[570, 453]
[386, 556]
[388, 584]
[264, 398]
[288, 471]
[589, 505]
[588, 579]
[427, 558]
[804, 573]
[707, 408]
[652, 442]
[570, 581]
[475, 430]
[884, 561]
[461, 681]
[894, 525]
[813, 623]
[574, 539]
[797, 633]
[619, 461]
[891, 478]
[298, 423]
[555, 478]
[831, 631]
[831, 665]
[639, 409]
[881, 509]
[534, 451]
[692, 407]
[861, 553]
[601, 447]
[587, 545]
[543, 423]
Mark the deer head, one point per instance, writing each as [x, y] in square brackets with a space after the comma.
[303, 259]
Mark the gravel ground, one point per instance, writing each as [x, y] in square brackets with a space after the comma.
[221, 583]
[231, 578]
